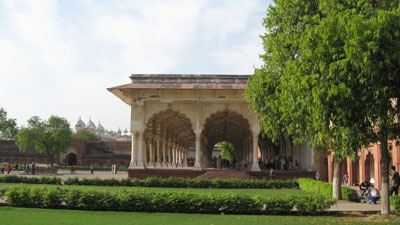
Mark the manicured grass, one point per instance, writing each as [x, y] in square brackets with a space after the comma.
[276, 193]
[16, 216]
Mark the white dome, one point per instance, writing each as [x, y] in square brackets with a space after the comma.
[90, 125]
[100, 127]
[80, 123]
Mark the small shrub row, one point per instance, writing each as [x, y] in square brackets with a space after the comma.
[395, 202]
[325, 189]
[29, 180]
[88, 168]
[147, 201]
[183, 183]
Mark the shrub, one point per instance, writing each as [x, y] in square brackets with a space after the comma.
[395, 201]
[29, 180]
[325, 189]
[148, 201]
[312, 204]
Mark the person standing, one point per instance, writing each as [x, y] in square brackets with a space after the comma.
[2, 168]
[91, 169]
[272, 173]
[394, 189]
[346, 180]
[317, 175]
[33, 168]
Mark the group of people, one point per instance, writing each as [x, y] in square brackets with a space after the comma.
[8, 168]
[219, 163]
[279, 162]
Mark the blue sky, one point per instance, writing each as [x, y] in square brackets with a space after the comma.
[58, 57]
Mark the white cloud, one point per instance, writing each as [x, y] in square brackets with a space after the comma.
[58, 57]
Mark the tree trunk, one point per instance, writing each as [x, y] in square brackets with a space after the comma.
[385, 160]
[336, 187]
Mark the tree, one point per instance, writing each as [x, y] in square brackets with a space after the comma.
[342, 76]
[8, 127]
[86, 135]
[227, 150]
[51, 137]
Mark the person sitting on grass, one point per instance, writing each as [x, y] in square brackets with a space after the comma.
[372, 195]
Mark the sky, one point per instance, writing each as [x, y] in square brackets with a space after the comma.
[58, 57]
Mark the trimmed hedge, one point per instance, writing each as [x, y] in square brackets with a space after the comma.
[29, 180]
[147, 201]
[325, 189]
[395, 201]
[183, 183]
[88, 168]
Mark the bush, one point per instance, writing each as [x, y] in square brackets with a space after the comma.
[148, 201]
[29, 180]
[312, 204]
[395, 201]
[325, 189]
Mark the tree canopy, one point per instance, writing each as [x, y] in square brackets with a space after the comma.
[227, 150]
[86, 135]
[51, 137]
[8, 126]
[331, 75]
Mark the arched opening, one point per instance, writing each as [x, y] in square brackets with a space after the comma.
[231, 127]
[168, 136]
[70, 159]
[369, 168]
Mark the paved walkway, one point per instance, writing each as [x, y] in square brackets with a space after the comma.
[340, 206]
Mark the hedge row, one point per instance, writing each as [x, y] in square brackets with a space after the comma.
[325, 189]
[88, 168]
[29, 180]
[183, 183]
[147, 201]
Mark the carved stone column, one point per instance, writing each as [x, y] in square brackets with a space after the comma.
[158, 163]
[134, 151]
[198, 164]
[254, 165]
[141, 150]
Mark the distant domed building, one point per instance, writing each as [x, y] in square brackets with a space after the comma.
[99, 130]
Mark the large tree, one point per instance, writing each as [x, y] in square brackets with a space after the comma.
[341, 80]
[51, 137]
[8, 126]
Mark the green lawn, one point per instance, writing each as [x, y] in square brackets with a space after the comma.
[16, 216]
[276, 193]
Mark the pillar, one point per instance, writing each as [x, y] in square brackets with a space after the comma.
[164, 161]
[158, 163]
[151, 160]
[133, 151]
[185, 158]
[254, 165]
[197, 164]
[140, 162]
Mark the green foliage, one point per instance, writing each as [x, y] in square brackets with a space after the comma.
[51, 137]
[173, 182]
[8, 127]
[395, 201]
[325, 189]
[148, 201]
[86, 135]
[29, 180]
[227, 150]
